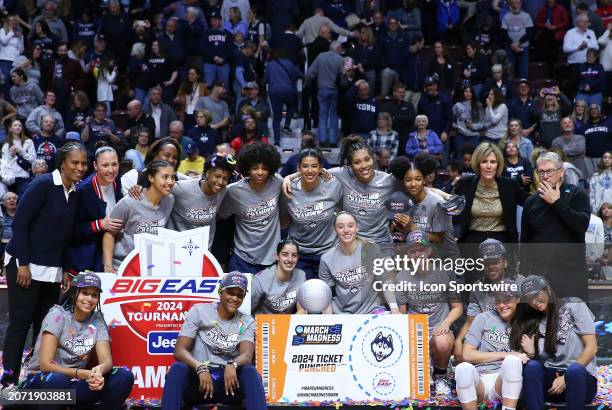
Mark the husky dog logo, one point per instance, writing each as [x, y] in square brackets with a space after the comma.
[382, 346]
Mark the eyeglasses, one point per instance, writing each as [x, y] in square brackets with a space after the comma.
[549, 172]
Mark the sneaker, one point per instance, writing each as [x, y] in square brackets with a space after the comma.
[442, 386]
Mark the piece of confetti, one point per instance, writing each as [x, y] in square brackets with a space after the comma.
[178, 262]
[150, 266]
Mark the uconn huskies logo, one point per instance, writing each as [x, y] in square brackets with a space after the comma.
[382, 346]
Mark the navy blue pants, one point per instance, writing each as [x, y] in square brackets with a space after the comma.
[183, 384]
[280, 97]
[117, 387]
[236, 263]
[537, 379]
[310, 265]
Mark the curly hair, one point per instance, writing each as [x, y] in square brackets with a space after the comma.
[259, 153]
[351, 144]
[224, 162]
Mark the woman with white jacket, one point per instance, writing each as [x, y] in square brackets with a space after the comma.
[11, 46]
[605, 52]
[106, 79]
[18, 154]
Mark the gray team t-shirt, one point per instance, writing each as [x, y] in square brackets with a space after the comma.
[352, 277]
[367, 202]
[193, 208]
[575, 320]
[269, 295]
[257, 222]
[76, 340]
[434, 303]
[312, 215]
[429, 216]
[488, 333]
[138, 216]
[216, 340]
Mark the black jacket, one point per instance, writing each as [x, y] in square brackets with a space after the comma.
[509, 194]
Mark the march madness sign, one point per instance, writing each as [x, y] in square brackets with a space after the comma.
[145, 303]
[303, 357]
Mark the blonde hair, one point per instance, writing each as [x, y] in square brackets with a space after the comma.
[484, 150]
[207, 115]
[387, 117]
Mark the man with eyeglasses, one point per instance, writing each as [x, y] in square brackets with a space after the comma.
[555, 219]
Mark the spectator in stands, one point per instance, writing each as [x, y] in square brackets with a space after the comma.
[517, 167]
[78, 112]
[423, 140]
[497, 80]
[414, 76]
[161, 112]
[249, 135]
[244, 66]
[576, 43]
[205, 136]
[448, 19]
[592, 80]
[292, 46]
[402, 115]
[580, 115]
[545, 221]
[598, 135]
[362, 113]
[310, 27]
[193, 164]
[517, 27]
[115, 27]
[30, 63]
[468, 118]
[235, 23]
[411, 19]
[46, 142]
[554, 107]
[218, 107]
[384, 136]
[522, 107]
[25, 94]
[437, 107]
[260, 104]
[552, 21]
[138, 154]
[99, 128]
[188, 95]
[600, 186]
[69, 77]
[325, 69]
[441, 68]
[33, 122]
[11, 46]
[176, 132]
[394, 46]
[162, 72]
[595, 22]
[53, 22]
[36, 267]
[217, 48]
[18, 153]
[138, 118]
[496, 116]
[42, 37]
[475, 67]
[572, 145]
[138, 72]
[367, 56]
[107, 75]
[97, 196]
[383, 159]
[515, 134]
[9, 207]
[605, 57]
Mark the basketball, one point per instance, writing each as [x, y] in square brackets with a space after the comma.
[314, 295]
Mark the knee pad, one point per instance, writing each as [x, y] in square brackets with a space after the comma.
[467, 379]
[511, 376]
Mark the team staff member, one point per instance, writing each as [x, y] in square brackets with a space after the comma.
[34, 259]
[275, 288]
[309, 212]
[347, 267]
[97, 196]
[71, 334]
[563, 368]
[491, 371]
[493, 254]
[254, 201]
[143, 215]
[442, 307]
[214, 352]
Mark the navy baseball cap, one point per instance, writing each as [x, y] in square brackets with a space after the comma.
[398, 203]
[73, 136]
[215, 15]
[533, 284]
[87, 279]
[417, 238]
[491, 249]
[190, 148]
[430, 80]
[234, 280]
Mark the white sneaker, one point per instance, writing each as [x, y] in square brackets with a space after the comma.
[442, 386]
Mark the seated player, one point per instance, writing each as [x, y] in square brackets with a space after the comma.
[275, 288]
[439, 302]
[493, 254]
[70, 335]
[491, 371]
[214, 353]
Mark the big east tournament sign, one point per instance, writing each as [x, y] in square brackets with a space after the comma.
[146, 301]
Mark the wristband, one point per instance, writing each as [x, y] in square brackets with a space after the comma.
[202, 368]
[234, 364]
[76, 373]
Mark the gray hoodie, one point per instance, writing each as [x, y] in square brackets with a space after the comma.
[35, 118]
[26, 97]
[325, 69]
